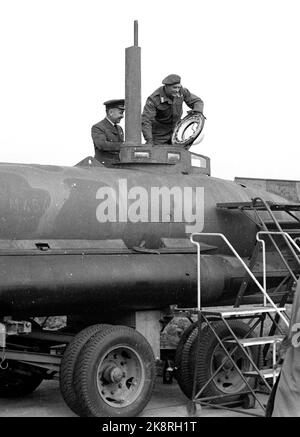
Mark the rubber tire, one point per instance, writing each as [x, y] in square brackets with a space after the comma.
[68, 362]
[208, 342]
[90, 402]
[15, 383]
[183, 350]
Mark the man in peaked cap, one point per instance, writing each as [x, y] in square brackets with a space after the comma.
[107, 135]
[163, 109]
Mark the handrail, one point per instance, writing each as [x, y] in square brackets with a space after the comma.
[263, 243]
[216, 234]
[266, 205]
[276, 246]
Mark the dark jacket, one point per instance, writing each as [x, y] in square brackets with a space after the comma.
[161, 114]
[287, 395]
[107, 140]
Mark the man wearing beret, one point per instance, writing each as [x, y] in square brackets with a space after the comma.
[163, 109]
[107, 135]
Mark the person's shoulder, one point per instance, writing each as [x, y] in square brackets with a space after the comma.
[155, 96]
[185, 91]
[189, 95]
[100, 124]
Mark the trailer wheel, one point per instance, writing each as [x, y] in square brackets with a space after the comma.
[67, 366]
[114, 374]
[210, 357]
[18, 380]
[183, 350]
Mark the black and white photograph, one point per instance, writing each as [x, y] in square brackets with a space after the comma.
[149, 212]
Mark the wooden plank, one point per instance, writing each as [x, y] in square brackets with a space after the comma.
[147, 323]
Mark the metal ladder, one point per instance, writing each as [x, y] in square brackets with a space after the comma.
[277, 231]
[258, 205]
[225, 314]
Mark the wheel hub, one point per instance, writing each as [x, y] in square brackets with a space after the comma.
[120, 376]
[113, 374]
[228, 379]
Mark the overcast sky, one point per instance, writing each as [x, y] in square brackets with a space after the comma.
[61, 59]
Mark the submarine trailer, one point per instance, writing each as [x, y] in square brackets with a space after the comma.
[107, 245]
[86, 248]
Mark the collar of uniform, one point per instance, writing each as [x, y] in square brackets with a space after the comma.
[113, 124]
[163, 96]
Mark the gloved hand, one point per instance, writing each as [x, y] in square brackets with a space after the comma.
[195, 111]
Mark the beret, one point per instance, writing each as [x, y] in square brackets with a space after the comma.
[171, 79]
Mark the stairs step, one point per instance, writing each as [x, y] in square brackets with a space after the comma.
[243, 310]
[267, 373]
[254, 341]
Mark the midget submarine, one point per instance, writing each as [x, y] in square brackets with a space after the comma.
[74, 239]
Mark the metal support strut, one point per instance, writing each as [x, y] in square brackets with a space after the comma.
[208, 316]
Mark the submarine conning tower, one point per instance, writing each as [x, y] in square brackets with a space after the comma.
[133, 154]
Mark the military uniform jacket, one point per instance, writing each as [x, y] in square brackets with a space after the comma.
[161, 114]
[107, 140]
[287, 397]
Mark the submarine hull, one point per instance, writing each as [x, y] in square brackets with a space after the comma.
[127, 212]
[39, 285]
[49, 202]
